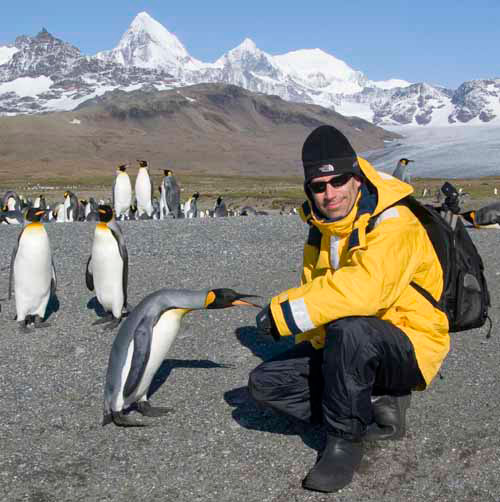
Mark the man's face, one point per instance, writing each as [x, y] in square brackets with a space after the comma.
[335, 202]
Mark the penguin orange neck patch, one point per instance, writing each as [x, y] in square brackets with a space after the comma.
[209, 299]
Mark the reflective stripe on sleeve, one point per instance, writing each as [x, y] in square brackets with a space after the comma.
[296, 316]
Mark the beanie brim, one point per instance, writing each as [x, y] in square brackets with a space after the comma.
[330, 167]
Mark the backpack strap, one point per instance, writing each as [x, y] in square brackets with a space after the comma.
[419, 212]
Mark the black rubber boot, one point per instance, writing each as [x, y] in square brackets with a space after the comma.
[389, 417]
[336, 466]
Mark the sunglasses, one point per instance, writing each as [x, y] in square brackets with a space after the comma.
[338, 181]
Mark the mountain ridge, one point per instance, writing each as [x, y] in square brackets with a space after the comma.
[204, 128]
[149, 55]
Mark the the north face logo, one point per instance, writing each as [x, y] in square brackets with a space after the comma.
[327, 168]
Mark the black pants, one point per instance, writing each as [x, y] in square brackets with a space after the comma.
[363, 356]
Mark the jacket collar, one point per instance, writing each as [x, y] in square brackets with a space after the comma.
[378, 192]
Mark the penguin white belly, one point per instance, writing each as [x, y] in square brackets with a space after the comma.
[60, 210]
[32, 272]
[122, 194]
[107, 271]
[68, 213]
[143, 192]
[11, 204]
[164, 211]
[163, 335]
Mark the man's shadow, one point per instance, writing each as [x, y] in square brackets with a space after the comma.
[249, 414]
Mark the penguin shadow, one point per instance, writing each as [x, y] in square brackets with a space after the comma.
[52, 306]
[169, 364]
[250, 415]
[93, 304]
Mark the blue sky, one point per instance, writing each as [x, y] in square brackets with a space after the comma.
[440, 42]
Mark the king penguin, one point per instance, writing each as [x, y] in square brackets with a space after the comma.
[32, 272]
[171, 194]
[220, 209]
[484, 217]
[143, 342]
[144, 190]
[122, 193]
[107, 268]
[71, 206]
[11, 201]
[402, 172]
[191, 207]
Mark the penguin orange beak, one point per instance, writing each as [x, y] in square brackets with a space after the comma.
[243, 303]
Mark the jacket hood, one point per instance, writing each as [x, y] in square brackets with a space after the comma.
[378, 191]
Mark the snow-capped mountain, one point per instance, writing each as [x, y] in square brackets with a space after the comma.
[43, 73]
[148, 44]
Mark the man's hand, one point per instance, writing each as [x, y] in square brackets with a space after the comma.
[265, 323]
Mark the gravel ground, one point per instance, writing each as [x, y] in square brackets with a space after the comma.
[217, 445]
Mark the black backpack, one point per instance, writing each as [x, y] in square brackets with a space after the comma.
[465, 298]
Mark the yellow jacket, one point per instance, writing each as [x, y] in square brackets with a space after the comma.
[351, 272]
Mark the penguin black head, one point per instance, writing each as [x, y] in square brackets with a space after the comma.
[123, 167]
[405, 162]
[167, 172]
[83, 202]
[142, 163]
[469, 216]
[34, 214]
[196, 195]
[223, 297]
[219, 200]
[105, 213]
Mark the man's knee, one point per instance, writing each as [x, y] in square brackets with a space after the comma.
[258, 383]
[352, 331]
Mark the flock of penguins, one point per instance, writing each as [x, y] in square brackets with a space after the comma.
[147, 331]
[145, 206]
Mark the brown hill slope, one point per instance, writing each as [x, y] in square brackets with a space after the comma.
[206, 128]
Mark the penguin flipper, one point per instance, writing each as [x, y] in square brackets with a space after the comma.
[140, 357]
[89, 278]
[12, 260]
[53, 282]
[122, 248]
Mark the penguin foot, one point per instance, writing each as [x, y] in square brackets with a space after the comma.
[23, 328]
[40, 324]
[112, 324]
[145, 409]
[103, 320]
[122, 420]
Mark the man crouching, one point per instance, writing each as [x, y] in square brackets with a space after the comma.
[365, 334]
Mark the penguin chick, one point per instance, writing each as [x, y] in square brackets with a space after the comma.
[142, 344]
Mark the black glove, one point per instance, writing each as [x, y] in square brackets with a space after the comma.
[265, 323]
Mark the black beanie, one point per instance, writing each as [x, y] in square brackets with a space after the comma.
[327, 151]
